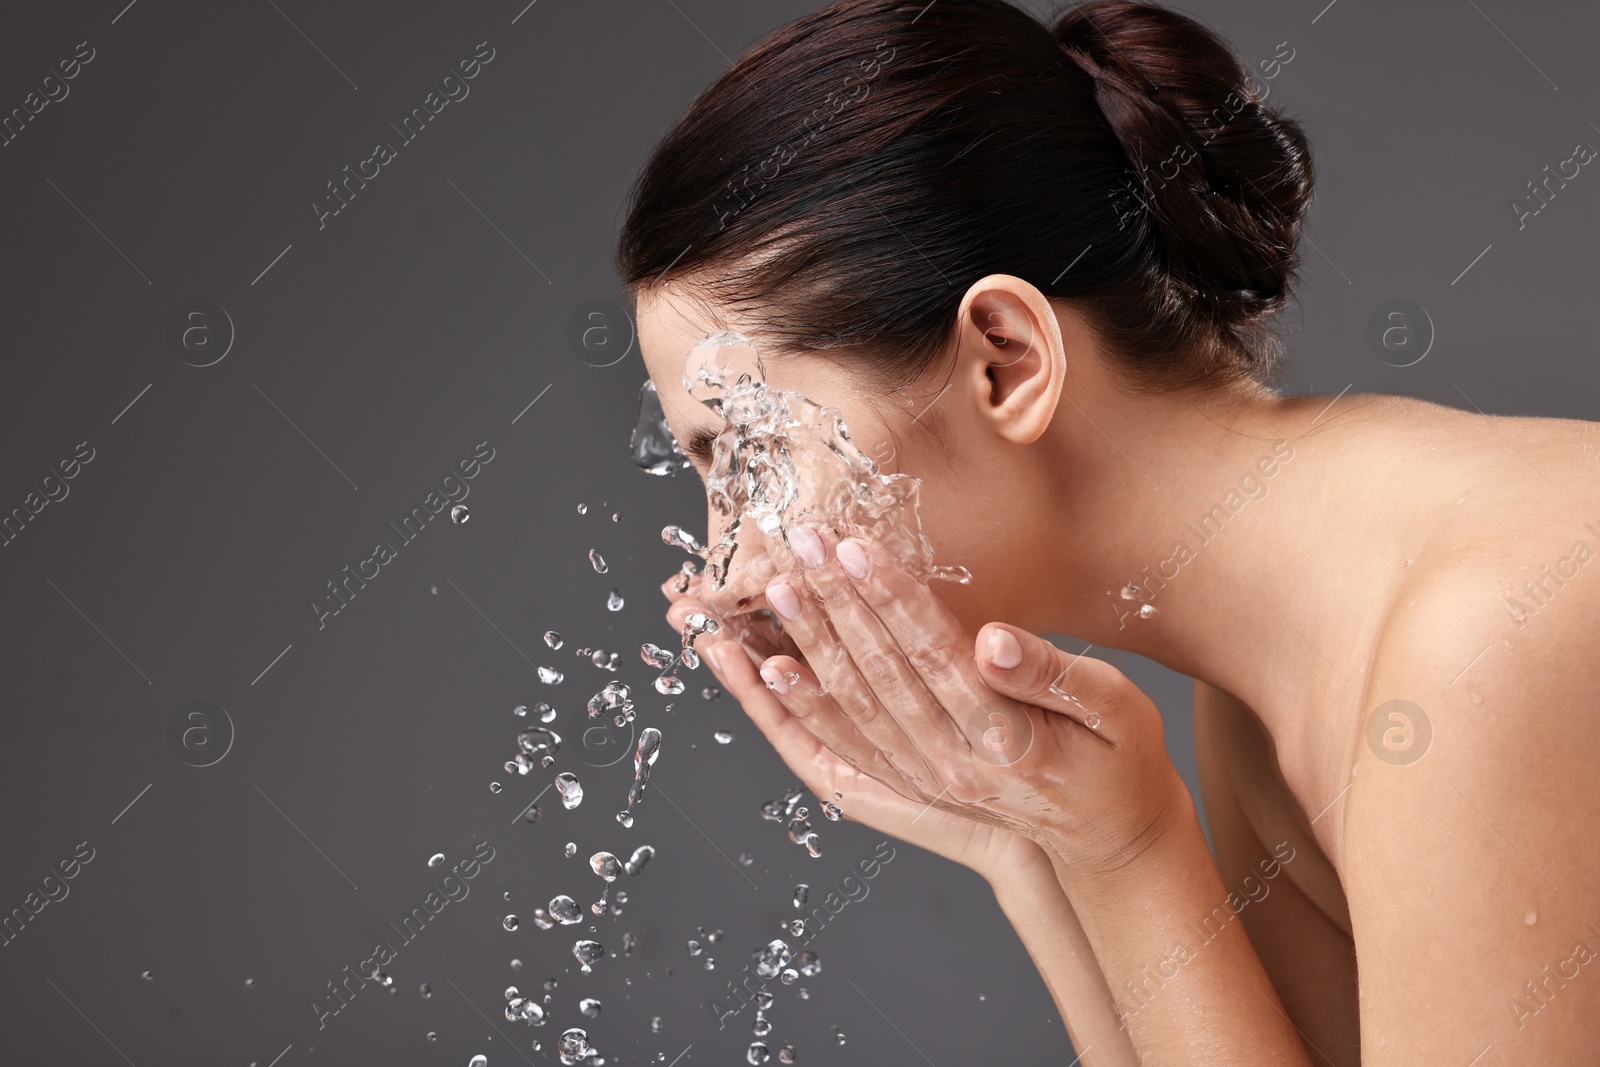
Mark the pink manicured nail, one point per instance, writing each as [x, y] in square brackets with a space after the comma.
[1004, 651]
[784, 600]
[853, 558]
[775, 680]
[806, 546]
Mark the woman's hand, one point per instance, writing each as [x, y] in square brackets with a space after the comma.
[983, 847]
[1009, 730]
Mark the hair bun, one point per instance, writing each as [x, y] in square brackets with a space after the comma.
[1220, 181]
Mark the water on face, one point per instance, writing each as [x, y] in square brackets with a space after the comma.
[782, 459]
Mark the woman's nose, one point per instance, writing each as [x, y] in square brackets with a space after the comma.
[748, 571]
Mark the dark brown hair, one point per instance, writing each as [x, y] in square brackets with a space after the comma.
[853, 174]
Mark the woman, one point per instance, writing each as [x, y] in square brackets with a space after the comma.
[1036, 268]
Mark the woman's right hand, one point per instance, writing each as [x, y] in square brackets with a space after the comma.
[985, 848]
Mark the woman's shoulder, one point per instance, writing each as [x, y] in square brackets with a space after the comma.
[1469, 818]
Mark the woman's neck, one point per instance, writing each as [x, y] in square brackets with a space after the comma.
[1241, 538]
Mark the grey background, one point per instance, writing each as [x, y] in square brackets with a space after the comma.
[375, 353]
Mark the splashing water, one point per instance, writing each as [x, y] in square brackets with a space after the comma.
[564, 910]
[541, 743]
[608, 867]
[613, 698]
[640, 857]
[570, 788]
[644, 757]
[586, 952]
[783, 459]
[655, 450]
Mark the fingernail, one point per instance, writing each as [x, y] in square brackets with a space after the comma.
[852, 558]
[775, 680]
[806, 546]
[784, 600]
[1004, 651]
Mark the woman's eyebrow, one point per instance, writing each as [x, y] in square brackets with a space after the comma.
[700, 443]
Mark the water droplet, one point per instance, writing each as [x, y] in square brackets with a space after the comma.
[641, 855]
[516, 965]
[796, 927]
[436, 859]
[570, 788]
[786, 1054]
[571, 850]
[553, 639]
[809, 964]
[494, 787]
[478, 1061]
[655, 1024]
[432, 1036]
[833, 812]
[756, 1053]
[1130, 592]
[147, 976]
[605, 865]
[550, 676]
[1147, 611]
[250, 983]
[426, 990]
[597, 561]
[723, 737]
[520, 711]
[509, 922]
[614, 601]
[574, 1043]
[678, 537]
[669, 685]
[772, 959]
[1092, 720]
[565, 910]
[838, 1034]
[459, 514]
[655, 655]
[546, 712]
[710, 692]
[625, 818]
[586, 952]
[590, 1007]
[583, 509]
[801, 891]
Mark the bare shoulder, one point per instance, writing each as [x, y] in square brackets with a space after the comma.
[1473, 881]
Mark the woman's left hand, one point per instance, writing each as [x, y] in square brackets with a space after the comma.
[1008, 729]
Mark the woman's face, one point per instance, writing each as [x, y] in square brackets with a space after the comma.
[971, 507]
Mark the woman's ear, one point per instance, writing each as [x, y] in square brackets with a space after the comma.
[1012, 352]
